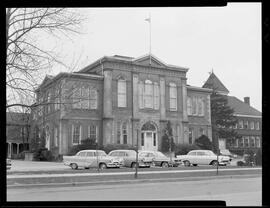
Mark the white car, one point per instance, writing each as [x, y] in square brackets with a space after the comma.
[91, 158]
[203, 157]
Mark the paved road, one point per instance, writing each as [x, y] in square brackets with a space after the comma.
[236, 192]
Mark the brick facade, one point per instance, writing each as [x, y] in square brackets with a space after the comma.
[122, 124]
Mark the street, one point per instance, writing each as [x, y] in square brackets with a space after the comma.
[235, 191]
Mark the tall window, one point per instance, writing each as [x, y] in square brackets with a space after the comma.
[246, 141]
[241, 124]
[252, 125]
[257, 125]
[190, 135]
[92, 132]
[76, 135]
[241, 142]
[156, 96]
[194, 106]
[246, 125]
[258, 142]
[57, 99]
[173, 97]
[148, 94]
[142, 139]
[141, 94]
[252, 141]
[49, 100]
[124, 132]
[122, 93]
[118, 132]
[189, 106]
[93, 99]
[84, 98]
[200, 107]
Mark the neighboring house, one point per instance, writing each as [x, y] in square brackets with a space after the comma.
[17, 133]
[118, 99]
[249, 120]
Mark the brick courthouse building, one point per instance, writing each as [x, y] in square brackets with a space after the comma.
[117, 97]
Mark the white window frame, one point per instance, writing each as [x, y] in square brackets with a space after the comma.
[257, 125]
[148, 94]
[173, 96]
[258, 142]
[80, 133]
[93, 98]
[85, 94]
[141, 94]
[189, 105]
[252, 140]
[122, 132]
[246, 138]
[122, 93]
[96, 131]
[156, 96]
[241, 124]
[246, 125]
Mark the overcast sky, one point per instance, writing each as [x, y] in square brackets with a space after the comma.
[225, 39]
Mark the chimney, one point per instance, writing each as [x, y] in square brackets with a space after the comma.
[246, 100]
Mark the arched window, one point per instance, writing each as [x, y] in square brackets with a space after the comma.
[148, 94]
[122, 93]
[173, 97]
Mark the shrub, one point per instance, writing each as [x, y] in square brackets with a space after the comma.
[109, 147]
[258, 157]
[183, 149]
[43, 154]
[85, 144]
[203, 142]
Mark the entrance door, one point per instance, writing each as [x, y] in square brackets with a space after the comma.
[148, 141]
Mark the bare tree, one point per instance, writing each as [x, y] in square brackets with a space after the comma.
[26, 60]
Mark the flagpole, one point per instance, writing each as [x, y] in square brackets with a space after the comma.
[150, 36]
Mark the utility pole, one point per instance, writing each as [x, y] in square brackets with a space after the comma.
[137, 149]
[97, 154]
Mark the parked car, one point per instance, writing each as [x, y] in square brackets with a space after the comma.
[158, 158]
[91, 158]
[8, 162]
[227, 152]
[203, 157]
[129, 158]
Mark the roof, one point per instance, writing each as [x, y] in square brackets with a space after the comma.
[214, 83]
[142, 60]
[241, 107]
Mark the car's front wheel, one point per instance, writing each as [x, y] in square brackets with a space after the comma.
[186, 163]
[102, 166]
[214, 163]
[164, 165]
[74, 166]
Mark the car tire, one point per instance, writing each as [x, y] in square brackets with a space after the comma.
[187, 163]
[164, 165]
[214, 163]
[74, 166]
[194, 164]
[133, 165]
[102, 166]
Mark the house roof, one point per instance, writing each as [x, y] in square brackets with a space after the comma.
[142, 60]
[214, 83]
[242, 108]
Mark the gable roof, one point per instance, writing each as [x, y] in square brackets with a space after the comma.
[214, 83]
[142, 60]
[241, 107]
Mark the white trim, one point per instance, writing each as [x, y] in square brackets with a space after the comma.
[251, 116]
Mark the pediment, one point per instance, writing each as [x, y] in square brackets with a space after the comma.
[145, 60]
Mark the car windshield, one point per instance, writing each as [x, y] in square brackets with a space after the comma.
[160, 154]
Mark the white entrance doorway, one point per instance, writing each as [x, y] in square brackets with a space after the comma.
[149, 137]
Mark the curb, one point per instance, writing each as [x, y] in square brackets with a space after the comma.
[133, 181]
